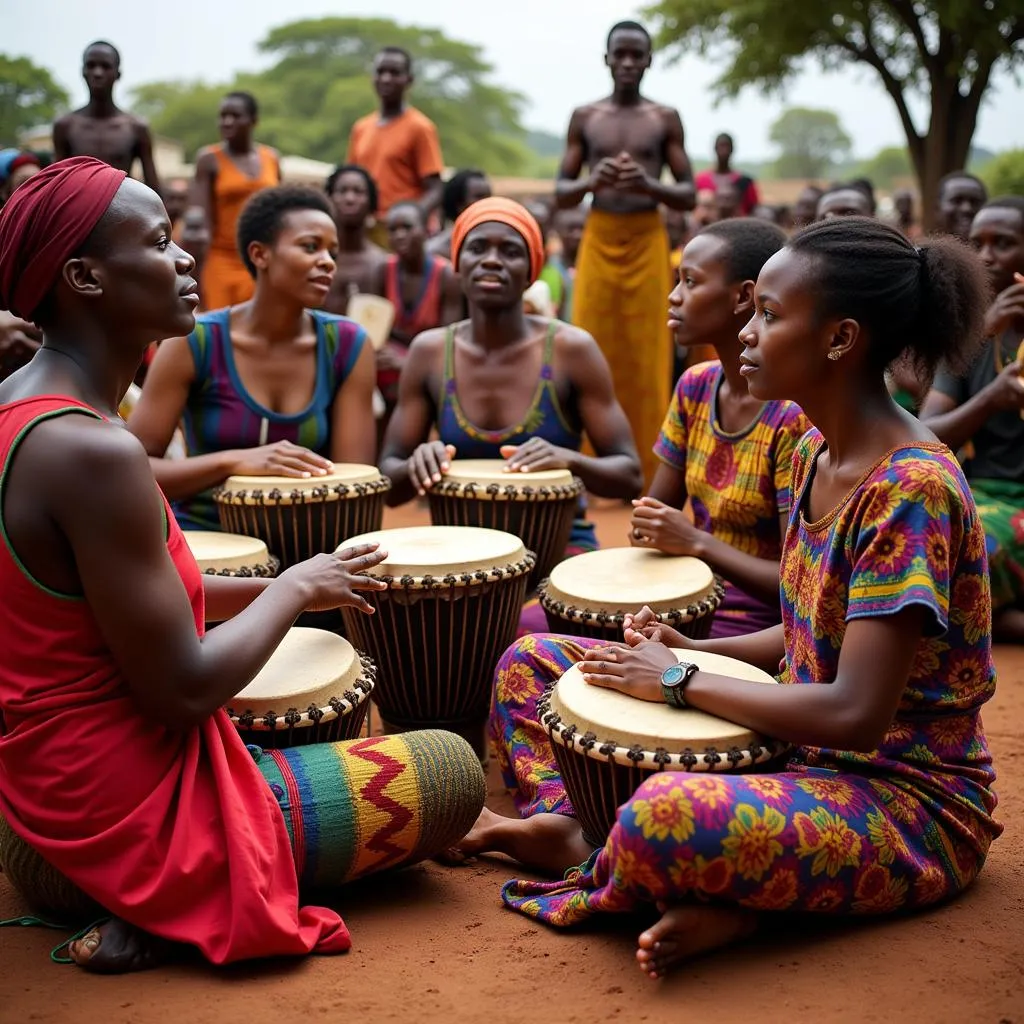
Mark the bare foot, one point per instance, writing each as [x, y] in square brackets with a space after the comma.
[685, 930]
[117, 947]
[548, 843]
[1008, 626]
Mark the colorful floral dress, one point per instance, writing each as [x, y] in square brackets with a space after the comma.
[901, 827]
[738, 483]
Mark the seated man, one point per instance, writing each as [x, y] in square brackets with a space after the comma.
[982, 413]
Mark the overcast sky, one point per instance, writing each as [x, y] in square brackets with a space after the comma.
[543, 48]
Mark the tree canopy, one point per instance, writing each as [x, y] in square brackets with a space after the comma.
[28, 97]
[811, 141]
[945, 51]
[1004, 174]
[320, 84]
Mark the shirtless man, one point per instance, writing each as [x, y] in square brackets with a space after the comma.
[622, 277]
[359, 265]
[100, 128]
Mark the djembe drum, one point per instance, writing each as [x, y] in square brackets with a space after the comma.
[299, 518]
[315, 688]
[590, 594]
[607, 743]
[450, 609]
[229, 554]
[538, 508]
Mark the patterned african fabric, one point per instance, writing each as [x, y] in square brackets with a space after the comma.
[220, 414]
[900, 827]
[1001, 507]
[622, 284]
[738, 483]
[367, 805]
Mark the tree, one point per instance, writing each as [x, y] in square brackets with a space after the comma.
[945, 51]
[320, 84]
[887, 165]
[28, 97]
[812, 142]
[1004, 174]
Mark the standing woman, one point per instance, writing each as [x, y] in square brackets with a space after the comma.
[885, 645]
[729, 453]
[226, 176]
[272, 386]
[121, 776]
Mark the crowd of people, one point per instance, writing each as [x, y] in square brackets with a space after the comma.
[824, 408]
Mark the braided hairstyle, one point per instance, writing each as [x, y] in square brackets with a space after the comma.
[922, 304]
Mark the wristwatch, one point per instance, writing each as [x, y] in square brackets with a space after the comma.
[674, 681]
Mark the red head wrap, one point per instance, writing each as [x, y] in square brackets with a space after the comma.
[504, 211]
[44, 224]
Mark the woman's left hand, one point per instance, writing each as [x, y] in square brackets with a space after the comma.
[634, 671]
[663, 528]
[535, 455]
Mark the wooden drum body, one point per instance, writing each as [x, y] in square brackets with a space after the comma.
[451, 608]
[606, 744]
[590, 594]
[538, 508]
[314, 689]
[228, 554]
[296, 518]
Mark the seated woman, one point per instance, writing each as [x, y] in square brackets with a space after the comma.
[503, 384]
[982, 412]
[270, 387]
[728, 452]
[119, 772]
[886, 803]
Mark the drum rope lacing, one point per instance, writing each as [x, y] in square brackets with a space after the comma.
[673, 616]
[464, 579]
[297, 496]
[509, 491]
[266, 571]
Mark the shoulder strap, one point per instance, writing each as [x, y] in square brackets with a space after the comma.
[549, 341]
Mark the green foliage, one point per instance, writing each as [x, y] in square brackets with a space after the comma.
[319, 85]
[811, 141]
[1004, 174]
[28, 97]
[886, 166]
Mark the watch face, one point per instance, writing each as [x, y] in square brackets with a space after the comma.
[673, 675]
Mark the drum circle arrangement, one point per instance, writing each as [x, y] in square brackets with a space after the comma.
[315, 688]
[607, 743]
[538, 508]
[229, 554]
[450, 610]
[298, 518]
[590, 594]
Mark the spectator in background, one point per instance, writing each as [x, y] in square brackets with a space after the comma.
[805, 209]
[397, 144]
[845, 200]
[903, 204]
[961, 196]
[464, 188]
[723, 175]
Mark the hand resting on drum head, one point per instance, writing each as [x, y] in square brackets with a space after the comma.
[537, 454]
[334, 580]
[428, 463]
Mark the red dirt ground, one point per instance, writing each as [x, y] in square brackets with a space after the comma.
[434, 944]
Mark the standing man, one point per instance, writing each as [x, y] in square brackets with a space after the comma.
[723, 176]
[100, 128]
[398, 145]
[961, 196]
[622, 277]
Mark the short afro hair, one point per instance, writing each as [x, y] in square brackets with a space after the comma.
[453, 199]
[749, 244]
[399, 52]
[1006, 203]
[946, 179]
[628, 26]
[246, 99]
[262, 216]
[371, 185]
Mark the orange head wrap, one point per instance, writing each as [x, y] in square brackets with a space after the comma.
[504, 211]
[44, 224]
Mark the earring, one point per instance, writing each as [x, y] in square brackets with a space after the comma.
[835, 354]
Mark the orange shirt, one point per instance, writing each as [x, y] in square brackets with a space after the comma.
[232, 189]
[399, 154]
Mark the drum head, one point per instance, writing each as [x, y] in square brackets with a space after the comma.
[225, 551]
[626, 721]
[622, 580]
[310, 666]
[349, 473]
[492, 471]
[439, 550]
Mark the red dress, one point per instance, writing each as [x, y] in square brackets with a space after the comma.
[175, 831]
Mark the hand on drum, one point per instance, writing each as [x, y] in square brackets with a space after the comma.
[644, 625]
[663, 528]
[634, 671]
[428, 463]
[282, 458]
[334, 580]
[536, 455]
